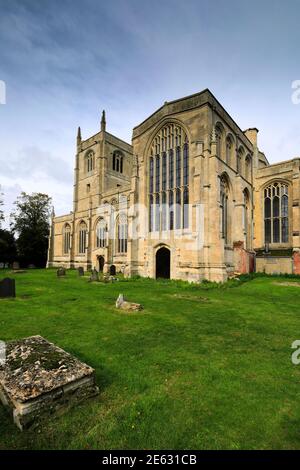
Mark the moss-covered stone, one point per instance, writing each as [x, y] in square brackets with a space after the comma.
[38, 377]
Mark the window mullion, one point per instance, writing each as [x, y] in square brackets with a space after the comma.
[280, 214]
[271, 215]
[160, 187]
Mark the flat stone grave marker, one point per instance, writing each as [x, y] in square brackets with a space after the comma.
[61, 272]
[7, 288]
[37, 378]
[80, 271]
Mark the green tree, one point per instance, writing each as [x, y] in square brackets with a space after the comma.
[1, 210]
[8, 252]
[7, 240]
[30, 223]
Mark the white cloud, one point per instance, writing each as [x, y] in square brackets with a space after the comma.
[35, 163]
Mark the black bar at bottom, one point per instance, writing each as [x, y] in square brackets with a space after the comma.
[137, 458]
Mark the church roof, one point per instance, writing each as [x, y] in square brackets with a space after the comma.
[187, 103]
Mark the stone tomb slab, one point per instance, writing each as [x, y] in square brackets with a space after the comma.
[38, 379]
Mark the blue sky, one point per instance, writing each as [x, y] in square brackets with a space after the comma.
[64, 61]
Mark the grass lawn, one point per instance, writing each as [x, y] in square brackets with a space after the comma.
[200, 367]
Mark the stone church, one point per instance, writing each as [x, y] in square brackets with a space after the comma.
[191, 198]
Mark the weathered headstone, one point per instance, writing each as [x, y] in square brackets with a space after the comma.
[123, 304]
[80, 271]
[16, 265]
[7, 288]
[61, 272]
[38, 378]
[94, 275]
[2, 265]
[31, 266]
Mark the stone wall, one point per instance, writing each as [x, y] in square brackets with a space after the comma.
[274, 265]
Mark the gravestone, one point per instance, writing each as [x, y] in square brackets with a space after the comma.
[94, 275]
[38, 379]
[2, 265]
[31, 266]
[80, 271]
[123, 304]
[16, 265]
[7, 288]
[61, 272]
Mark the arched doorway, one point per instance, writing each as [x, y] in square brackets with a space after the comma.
[112, 270]
[163, 262]
[101, 263]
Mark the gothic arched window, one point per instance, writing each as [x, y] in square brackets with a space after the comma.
[90, 161]
[248, 168]
[276, 213]
[122, 234]
[229, 150]
[168, 169]
[118, 161]
[219, 139]
[246, 222]
[239, 160]
[82, 232]
[67, 238]
[101, 234]
[224, 208]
